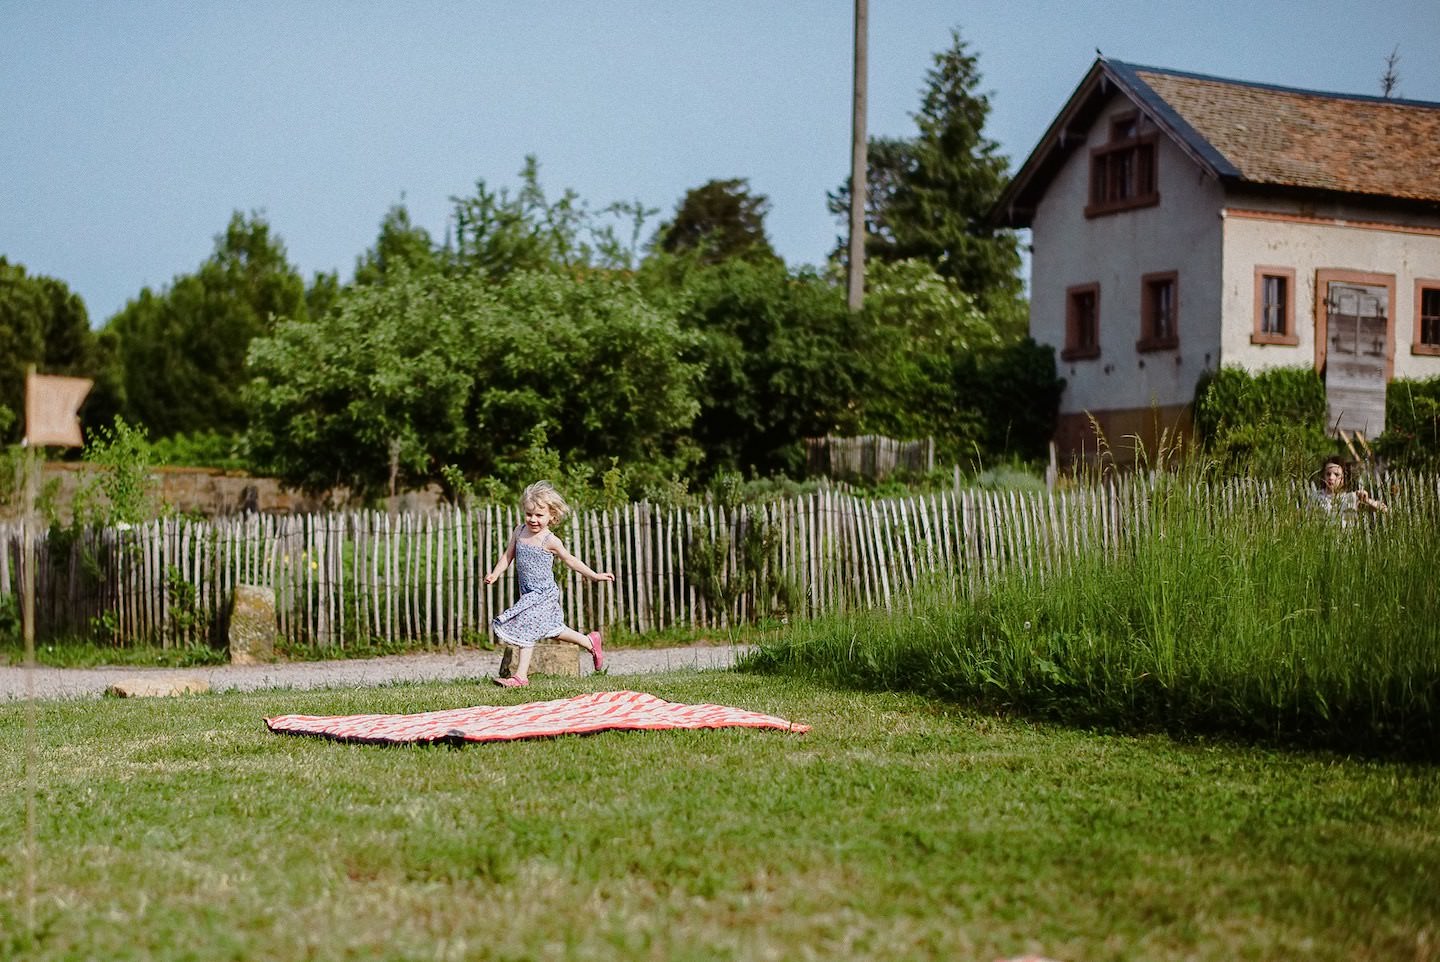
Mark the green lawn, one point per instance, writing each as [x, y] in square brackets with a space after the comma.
[898, 828]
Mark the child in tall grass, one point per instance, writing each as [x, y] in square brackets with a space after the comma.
[537, 614]
[1332, 497]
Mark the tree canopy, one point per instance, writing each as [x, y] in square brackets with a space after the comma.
[718, 221]
[180, 353]
[400, 247]
[428, 372]
[782, 357]
[497, 233]
[44, 323]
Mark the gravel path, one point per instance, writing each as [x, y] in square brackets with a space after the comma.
[52, 683]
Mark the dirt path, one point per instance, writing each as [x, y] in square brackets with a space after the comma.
[52, 683]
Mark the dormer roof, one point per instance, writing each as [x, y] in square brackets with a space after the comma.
[1252, 137]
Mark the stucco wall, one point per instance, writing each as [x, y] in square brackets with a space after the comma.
[1348, 240]
[1181, 233]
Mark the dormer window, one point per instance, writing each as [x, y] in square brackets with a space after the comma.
[1122, 171]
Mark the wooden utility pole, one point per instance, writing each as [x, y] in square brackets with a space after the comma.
[859, 162]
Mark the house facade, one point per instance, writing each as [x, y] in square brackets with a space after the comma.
[1181, 222]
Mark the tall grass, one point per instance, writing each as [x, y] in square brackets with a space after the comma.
[1232, 609]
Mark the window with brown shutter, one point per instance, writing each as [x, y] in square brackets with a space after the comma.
[1082, 323]
[1159, 312]
[1427, 318]
[1275, 307]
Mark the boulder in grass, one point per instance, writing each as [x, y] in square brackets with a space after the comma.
[550, 658]
[157, 686]
[252, 626]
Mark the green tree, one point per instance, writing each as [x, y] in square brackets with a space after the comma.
[718, 221]
[425, 373]
[601, 368]
[180, 353]
[932, 193]
[783, 360]
[375, 386]
[44, 323]
[322, 292]
[937, 367]
[498, 233]
[923, 329]
[401, 246]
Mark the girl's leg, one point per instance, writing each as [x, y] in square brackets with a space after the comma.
[522, 667]
[575, 638]
[590, 643]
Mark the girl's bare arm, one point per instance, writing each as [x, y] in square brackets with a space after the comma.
[504, 562]
[557, 547]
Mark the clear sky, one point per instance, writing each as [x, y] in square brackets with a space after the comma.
[130, 130]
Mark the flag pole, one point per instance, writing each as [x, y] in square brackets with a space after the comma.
[27, 620]
[52, 416]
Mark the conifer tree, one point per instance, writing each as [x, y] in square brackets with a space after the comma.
[930, 194]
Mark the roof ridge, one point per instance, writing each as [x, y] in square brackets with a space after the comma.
[1278, 88]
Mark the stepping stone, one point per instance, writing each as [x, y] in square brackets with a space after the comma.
[158, 686]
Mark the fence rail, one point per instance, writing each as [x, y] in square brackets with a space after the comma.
[342, 578]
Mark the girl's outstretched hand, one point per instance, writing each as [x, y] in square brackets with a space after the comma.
[604, 576]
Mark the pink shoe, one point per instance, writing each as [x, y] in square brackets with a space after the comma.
[597, 649]
[512, 682]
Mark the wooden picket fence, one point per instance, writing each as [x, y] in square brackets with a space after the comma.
[870, 456]
[418, 578]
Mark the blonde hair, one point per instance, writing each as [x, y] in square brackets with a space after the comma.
[542, 494]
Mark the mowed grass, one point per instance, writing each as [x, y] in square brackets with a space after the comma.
[898, 828]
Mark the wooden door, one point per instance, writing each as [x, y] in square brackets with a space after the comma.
[1357, 332]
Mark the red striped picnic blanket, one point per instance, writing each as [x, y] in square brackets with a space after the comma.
[582, 714]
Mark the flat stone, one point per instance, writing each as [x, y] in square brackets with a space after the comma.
[157, 686]
[550, 658]
[252, 626]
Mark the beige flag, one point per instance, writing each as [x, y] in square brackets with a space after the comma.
[52, 409]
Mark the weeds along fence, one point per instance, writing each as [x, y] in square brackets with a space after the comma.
[419, 578]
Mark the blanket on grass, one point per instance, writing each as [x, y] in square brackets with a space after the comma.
[596, 712]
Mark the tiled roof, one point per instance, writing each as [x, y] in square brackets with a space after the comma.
[1300, 138]
[1251, 136]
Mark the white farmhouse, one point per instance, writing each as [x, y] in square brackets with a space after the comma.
[1182, 222]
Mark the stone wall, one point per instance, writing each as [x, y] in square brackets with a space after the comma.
[212, 492]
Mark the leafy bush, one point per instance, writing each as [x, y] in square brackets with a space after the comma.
[400, 380]
[1412, 425]
[938, 366]
[1015, 393]
[202, 449]
[781, 358]
[120, 491]
[10, 627]
[1270, 424]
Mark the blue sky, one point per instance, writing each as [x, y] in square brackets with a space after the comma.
[130, 131]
